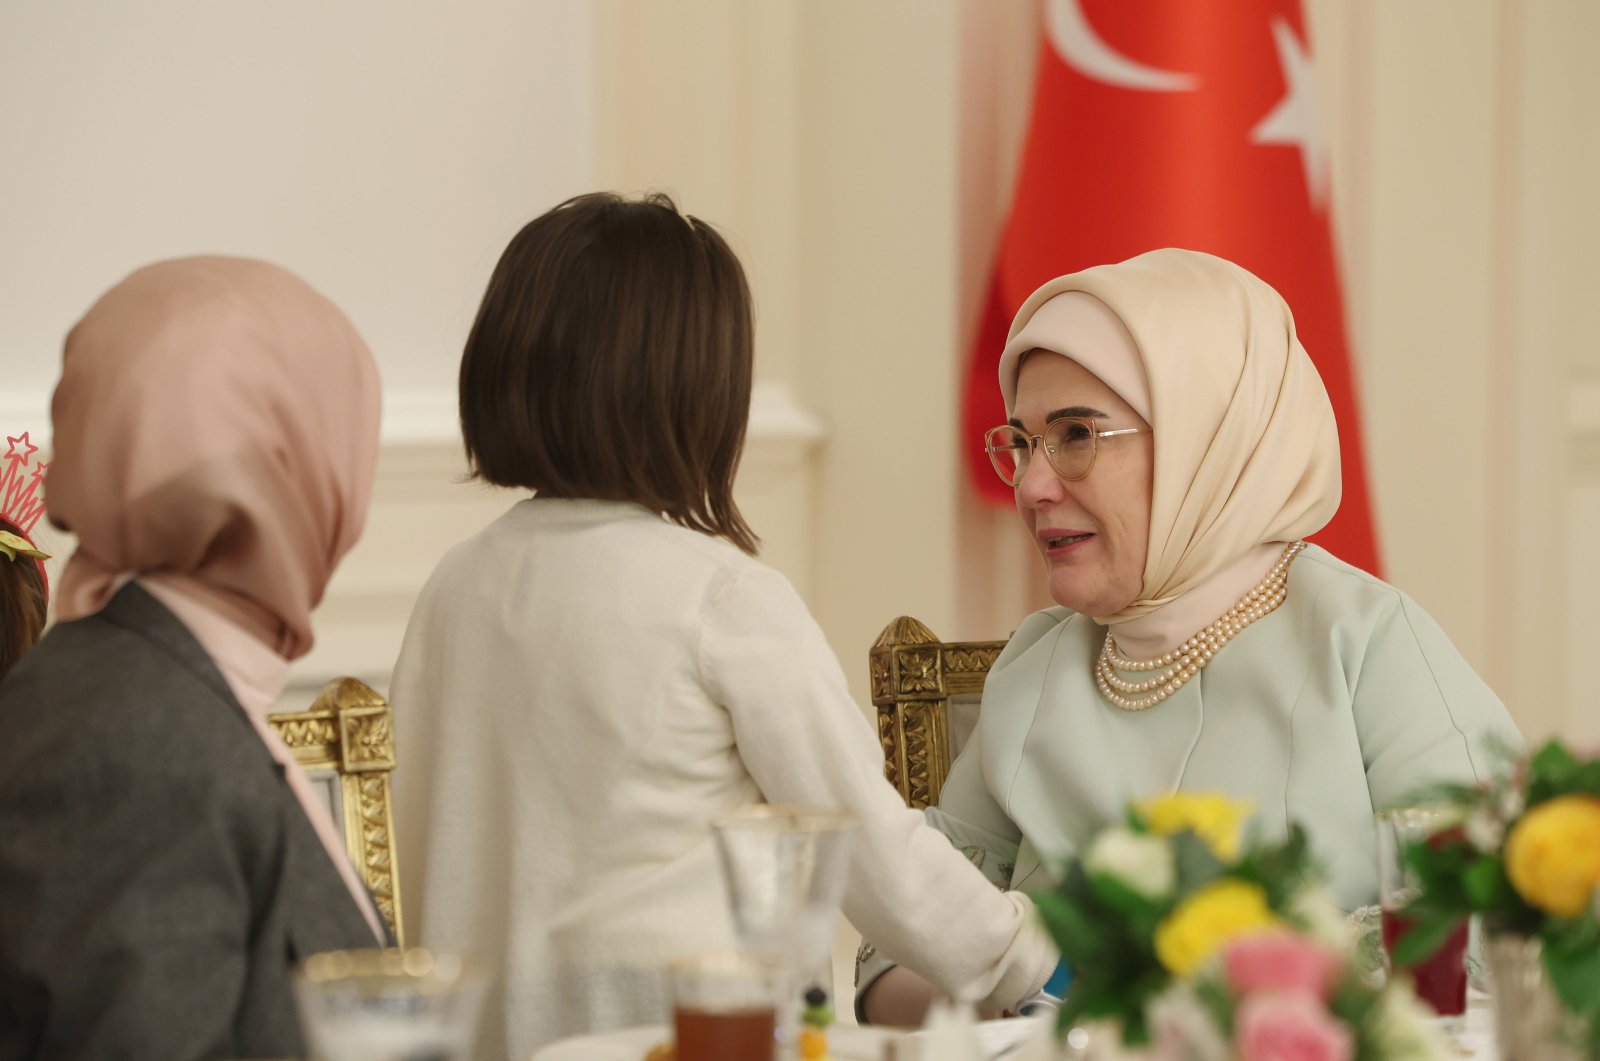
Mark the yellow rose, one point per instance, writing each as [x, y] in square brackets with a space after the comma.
[1553, 854]
[1215, 818]
[1208, 920]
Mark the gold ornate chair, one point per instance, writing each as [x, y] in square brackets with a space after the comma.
[345, 743]
[926, 693]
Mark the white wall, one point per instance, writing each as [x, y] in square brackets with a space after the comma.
[1466, 153]
[385, 151]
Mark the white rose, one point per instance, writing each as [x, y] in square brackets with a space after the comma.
[1317, 910]
[1184, 1030]
[1510, 803]
[1485, 829]
[1403, 1029]
[1143, 863]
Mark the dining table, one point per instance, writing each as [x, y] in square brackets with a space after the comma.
[996, 1040]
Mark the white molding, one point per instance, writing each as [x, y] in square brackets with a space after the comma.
[420, 416]
[426, 417]
[775, 413]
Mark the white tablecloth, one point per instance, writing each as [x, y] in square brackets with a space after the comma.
[867, 1044]
[844, 1044]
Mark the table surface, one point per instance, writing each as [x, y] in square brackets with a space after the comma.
[848, 1043]
[844, 1044]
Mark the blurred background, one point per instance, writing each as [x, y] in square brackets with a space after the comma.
[860, 155]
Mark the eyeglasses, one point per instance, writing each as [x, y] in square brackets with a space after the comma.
[1069, 446]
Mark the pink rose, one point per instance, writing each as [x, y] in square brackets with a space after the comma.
[1277, 1026]
[1278, 961]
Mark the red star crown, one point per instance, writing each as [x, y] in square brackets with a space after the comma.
[21, 503]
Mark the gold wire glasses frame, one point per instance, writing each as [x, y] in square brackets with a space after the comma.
[1070, 444]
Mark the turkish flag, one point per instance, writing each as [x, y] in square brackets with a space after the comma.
[1170, 123]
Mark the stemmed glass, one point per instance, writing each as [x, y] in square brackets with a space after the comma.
[785, 868]
[1441, 980]
[387, 1005]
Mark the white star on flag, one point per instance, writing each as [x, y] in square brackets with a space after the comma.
[1293, 122]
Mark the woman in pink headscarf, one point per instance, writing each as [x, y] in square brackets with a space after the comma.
[163, 860]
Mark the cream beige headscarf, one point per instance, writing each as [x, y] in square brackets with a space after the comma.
[215, 436]
[1246, 449]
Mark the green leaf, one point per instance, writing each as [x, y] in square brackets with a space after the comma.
[1486, 886]
[1552, 760]
[1551, 772]
[1101, 994]
[1426, 935]
[1353, 1001]
[1282, 870]
[1587, 780]
[1218, 1000]
[1573, 963]
[1196, 864]
[1442, 793]
[1082, 939]
[1142, 912]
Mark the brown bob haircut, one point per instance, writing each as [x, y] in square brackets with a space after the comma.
[611, 359]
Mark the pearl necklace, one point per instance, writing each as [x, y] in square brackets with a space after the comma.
[1191, 657]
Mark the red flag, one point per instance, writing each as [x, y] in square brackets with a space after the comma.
[1169, 123]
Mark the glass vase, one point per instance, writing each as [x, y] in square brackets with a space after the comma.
[1530, 1022]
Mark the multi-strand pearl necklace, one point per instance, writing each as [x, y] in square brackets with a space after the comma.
[1191, 657]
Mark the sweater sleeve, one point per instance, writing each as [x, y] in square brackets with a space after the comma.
[123, 931]
[1422, 714]
[804, 740]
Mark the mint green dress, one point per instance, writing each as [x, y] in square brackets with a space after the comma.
[1344, 700]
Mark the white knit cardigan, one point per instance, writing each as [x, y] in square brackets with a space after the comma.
[582, 686]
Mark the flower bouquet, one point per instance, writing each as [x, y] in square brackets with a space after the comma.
[1283, 996]
[1523, 851]
[1188, 943]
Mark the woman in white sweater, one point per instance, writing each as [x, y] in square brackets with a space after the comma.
[591, 678]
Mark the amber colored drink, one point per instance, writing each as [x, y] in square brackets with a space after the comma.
[1441, 981]
[725, 1035]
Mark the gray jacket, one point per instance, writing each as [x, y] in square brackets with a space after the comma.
[158, 879]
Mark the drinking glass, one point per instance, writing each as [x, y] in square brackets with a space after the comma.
[1441, 980]
[785, 868]
[387, 1005]
[725, 1005]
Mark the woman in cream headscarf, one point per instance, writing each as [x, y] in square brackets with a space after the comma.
[163, 860]
[1171, 444]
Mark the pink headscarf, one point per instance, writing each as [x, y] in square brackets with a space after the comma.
[216, 419]
[216, 434]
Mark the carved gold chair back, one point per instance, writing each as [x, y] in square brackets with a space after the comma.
[345, 743]
[926, 693]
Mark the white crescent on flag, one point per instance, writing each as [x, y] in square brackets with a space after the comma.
[1081, 48]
